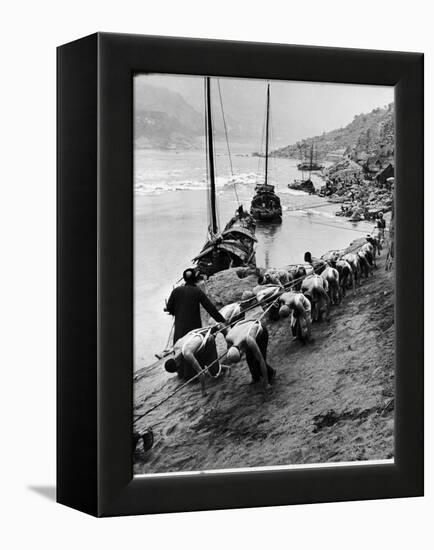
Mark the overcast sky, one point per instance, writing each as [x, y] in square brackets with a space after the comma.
[299, 109]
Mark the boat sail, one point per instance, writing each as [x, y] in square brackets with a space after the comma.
[235, 245]
[266, 204]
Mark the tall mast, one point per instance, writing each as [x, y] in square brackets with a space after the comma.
[266, 134]
[214, 225]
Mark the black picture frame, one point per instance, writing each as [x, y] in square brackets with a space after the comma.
[95, 274]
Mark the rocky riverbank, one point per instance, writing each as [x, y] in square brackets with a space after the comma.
[332, 400]
[361, 197]
[363, 157]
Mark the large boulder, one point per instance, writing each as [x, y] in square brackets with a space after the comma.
[226, 286]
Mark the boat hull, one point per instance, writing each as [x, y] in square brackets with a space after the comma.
[265, 204]
[233, 247]
[310, 167]
[267, 216]
[302, 185]
[219, 260]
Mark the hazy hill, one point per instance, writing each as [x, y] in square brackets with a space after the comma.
[170, 111]
[163, 119]
[368, 135]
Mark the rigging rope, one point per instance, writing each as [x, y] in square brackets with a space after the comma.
[271, 159]
[261, 145]
[227, 141]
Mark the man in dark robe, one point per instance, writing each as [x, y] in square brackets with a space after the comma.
[184, 303]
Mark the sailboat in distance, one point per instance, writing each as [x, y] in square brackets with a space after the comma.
[304, 184]
[312, 164]
[235, 245]
[266, 205]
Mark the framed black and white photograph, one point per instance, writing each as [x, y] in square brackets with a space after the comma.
[240, 274]
[258, 208]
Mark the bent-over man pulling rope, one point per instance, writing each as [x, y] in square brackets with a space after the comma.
[251, 337]
[192, 353]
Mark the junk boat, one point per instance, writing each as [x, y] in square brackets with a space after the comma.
[305, 184]
[311, 164]
[265, 204]
[235, 245]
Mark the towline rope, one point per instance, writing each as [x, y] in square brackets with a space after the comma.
[342, 227]
[306, 206]
[273, 301]
[179, 388]
[270, 300]
[197, 375]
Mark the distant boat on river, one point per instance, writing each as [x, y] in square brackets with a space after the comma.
[311, 164]
[266, 205]
[306, 184]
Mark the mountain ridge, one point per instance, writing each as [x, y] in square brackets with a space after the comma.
[368, 135]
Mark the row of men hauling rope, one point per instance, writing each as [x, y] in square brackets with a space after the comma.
[303, 292]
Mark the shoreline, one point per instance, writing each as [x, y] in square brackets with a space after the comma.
[321, 409]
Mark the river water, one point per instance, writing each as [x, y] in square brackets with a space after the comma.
[170, 204]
